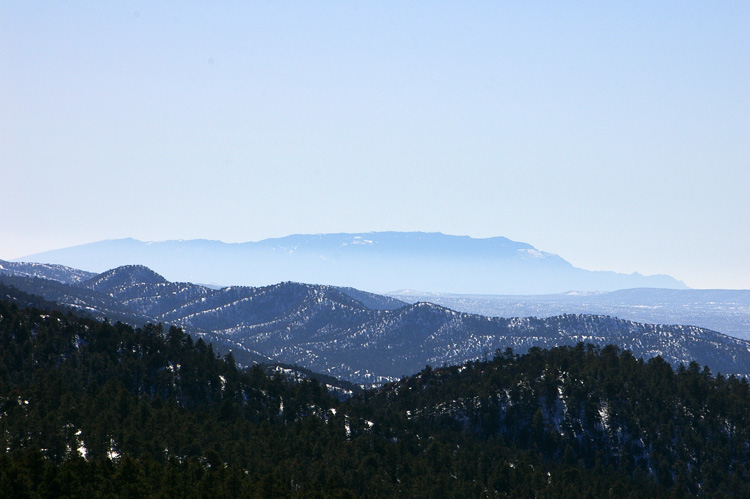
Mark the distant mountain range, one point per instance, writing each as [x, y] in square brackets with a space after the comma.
[376, 261]
[350, 334]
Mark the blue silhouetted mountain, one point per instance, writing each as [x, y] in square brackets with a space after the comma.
[377, 261]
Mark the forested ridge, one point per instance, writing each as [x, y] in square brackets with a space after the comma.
[92, 409]
[349, 334]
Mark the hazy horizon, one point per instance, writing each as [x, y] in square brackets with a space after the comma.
[380, 262]
[614, 136]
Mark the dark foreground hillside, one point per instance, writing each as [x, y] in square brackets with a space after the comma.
[91, 409]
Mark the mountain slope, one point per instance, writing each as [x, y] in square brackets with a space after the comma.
[60, 273]
[327, 330]
[377, 261]
[92, 409]
[91, 302]
[587, 408]
[724, 310]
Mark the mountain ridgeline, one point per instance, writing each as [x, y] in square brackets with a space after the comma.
[724, 310]
[353, 335]
[95, 409]
[376, 261]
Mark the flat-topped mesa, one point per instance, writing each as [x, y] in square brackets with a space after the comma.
[376, 261]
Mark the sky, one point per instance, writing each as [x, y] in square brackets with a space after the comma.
[614, 134]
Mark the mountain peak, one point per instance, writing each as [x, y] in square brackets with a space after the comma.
[126, 275]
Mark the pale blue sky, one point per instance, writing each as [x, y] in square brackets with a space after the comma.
[616, 135]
